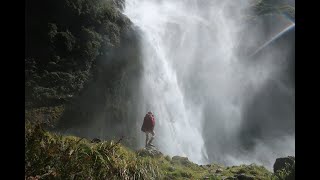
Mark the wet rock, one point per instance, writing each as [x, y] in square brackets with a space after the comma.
[281, 163]
[149, 151]
[287, 164]
[182, 160]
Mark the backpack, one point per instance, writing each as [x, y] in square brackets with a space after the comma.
[148, 123]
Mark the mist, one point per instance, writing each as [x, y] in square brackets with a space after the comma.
[212, 101]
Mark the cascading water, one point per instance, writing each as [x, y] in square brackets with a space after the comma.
[193, 80]
[175, 127]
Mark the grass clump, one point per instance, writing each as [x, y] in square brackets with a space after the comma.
[259, 172]
[53, 156]
[49, 155]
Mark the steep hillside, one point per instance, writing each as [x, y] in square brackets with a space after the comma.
[50, 155]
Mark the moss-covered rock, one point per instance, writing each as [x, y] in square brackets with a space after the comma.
[281, 163]
[284, 168]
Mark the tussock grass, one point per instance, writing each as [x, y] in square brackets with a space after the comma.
[53, 156]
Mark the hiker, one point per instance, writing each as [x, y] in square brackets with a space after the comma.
[148, 127]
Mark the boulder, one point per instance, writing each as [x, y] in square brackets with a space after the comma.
[281, 163]
[181, 160]
[149, 151]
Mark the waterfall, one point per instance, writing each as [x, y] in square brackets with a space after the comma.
[194, 80]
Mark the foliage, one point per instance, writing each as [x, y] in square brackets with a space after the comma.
[49, 155]
[64, 38]
[82, 55]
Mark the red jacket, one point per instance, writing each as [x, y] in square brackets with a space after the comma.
[148, 123]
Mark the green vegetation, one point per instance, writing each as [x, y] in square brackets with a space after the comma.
[81, 58]
[49, 115]
[49, 155]
[64, 39]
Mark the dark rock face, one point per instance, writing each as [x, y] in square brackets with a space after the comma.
[281, 163]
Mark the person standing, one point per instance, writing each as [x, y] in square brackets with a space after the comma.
[148, 128]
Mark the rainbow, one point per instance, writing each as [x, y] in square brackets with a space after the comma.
[277, 36]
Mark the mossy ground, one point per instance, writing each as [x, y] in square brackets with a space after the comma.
[54, 156]
[183, 169]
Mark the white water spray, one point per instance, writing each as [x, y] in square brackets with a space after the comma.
[177, 134]
[191, 67]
